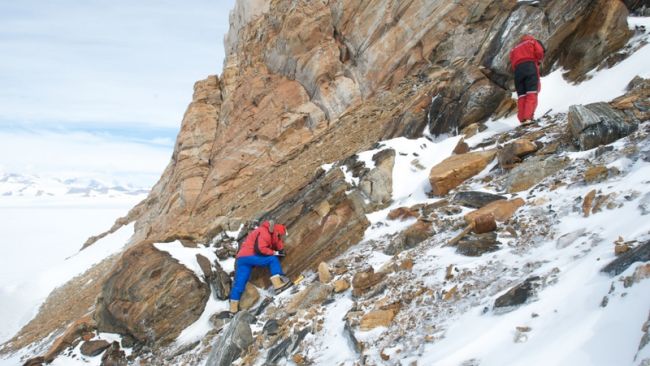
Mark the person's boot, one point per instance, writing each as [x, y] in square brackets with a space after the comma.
[280, 282]
[234, 306]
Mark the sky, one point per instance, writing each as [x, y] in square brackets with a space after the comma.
[83, 82]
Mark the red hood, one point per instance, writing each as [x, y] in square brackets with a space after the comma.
[277, 228]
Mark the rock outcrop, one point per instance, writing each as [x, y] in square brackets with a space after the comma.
[150, 296]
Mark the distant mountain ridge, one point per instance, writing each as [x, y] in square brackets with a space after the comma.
[22, 185]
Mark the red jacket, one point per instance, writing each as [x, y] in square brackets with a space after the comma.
[262, 242]
[528, 49]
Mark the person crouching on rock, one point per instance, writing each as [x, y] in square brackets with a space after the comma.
[525, 59]
[261, 248]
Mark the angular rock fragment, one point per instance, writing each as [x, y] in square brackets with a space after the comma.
[518, 294]
[232, 342]
[639, 254]
[93, 348]
[475, 245]
[454, 170]
[598, 124]
[533, 171]
[475, 199]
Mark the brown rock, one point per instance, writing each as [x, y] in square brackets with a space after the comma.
[470, 130]
[341, 285]
[114, 356]
[596, 174]
[249, 298]
[502, 210]
[150, 296]
[512, 153]
[602, 33]
[299, 359]
[94, 348]
[621, 248]
[384, 356]
[324, 275]
[206, 266]
[454, 170]
[452, 294]
[402, 213]
[587, 202]
[377, 318]
[461, 147]
[86, 336]
[72, 333]
[641, 273]
[363, 281]
[406, 264]
[449, 273]
[314, 294]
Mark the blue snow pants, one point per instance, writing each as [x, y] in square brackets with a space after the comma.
[243, 268]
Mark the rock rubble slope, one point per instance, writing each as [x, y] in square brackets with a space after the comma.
[318, 121]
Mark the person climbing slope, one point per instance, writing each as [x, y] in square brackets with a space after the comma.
[525, 59]
[261, 248]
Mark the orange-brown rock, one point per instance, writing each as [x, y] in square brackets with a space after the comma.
[341, 285]
[402, 213]
[603, 32]
[67, 339]
[324, 274]
[363, 281]
[454, 170]
[512, 153]
[588, 202]
[377, 318]
[502, 210]
[596, 174]
[461, 147]
[150, 296]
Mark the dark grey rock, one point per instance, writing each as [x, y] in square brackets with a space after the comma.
[598, 124]
[36, 361]
[475, 199]
[639, 254]
[220, 283]
[475, 245]
[232, 342]
[533, 171]
[518, 294]
[357, 346]
[286, 347]
[644, 204]
[128, 341]
[93, 348]
[271, 327]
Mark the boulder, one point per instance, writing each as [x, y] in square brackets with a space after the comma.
[402, 213]
[35, 361]
[475, 199]
[341, 285]
[377, 318]
[475, 245]
[150, 296]
[324, 274]
[232, 342]
[377, 184]
[93, 348]
[314, 294]
[461, 147]
[364, 280]
[518, 294]
[533, 171]
[502, 210]
[639, 254]
[602, 33]
[413, 235]
[512, 153]
[598, 124]
[454, 170]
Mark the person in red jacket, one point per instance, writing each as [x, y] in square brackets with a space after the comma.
[261, 248]
[525, 59]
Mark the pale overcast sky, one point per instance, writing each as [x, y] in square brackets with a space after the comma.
[119, 70]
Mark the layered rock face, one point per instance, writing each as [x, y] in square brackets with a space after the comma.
[312, 83]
